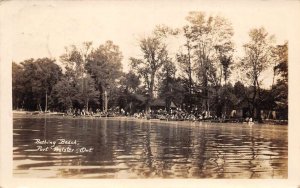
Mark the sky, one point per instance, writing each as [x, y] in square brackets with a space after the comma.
[45, 28]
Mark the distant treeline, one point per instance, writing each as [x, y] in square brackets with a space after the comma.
[196, 78]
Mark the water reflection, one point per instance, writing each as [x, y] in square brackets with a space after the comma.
[144, 149]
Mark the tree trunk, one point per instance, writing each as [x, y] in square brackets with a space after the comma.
[258, 114]
[254, 105]
[150, 91]
[105, 101]
[87, 105]
[190, 75]
[46, 105]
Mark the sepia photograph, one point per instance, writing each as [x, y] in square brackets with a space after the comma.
[148, 90]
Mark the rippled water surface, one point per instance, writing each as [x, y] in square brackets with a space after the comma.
[148, 149]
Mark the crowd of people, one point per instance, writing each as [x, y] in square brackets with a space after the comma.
[179, 115]
[172, 115]
[83, 112]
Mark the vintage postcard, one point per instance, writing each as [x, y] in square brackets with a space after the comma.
[149, 93]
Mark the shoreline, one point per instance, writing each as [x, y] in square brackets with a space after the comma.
[35, 114]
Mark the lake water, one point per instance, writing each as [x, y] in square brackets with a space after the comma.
[123, 148]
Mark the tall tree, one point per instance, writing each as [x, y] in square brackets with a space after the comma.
[105, 67]
[226, 64]
[257, 58]
[210, 36]
[155, 54]
[75, 60]
[186, 65]
[280, 89]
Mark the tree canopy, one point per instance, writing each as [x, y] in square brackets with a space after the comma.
[199, 77]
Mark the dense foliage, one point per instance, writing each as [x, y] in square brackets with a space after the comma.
[196, 78]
